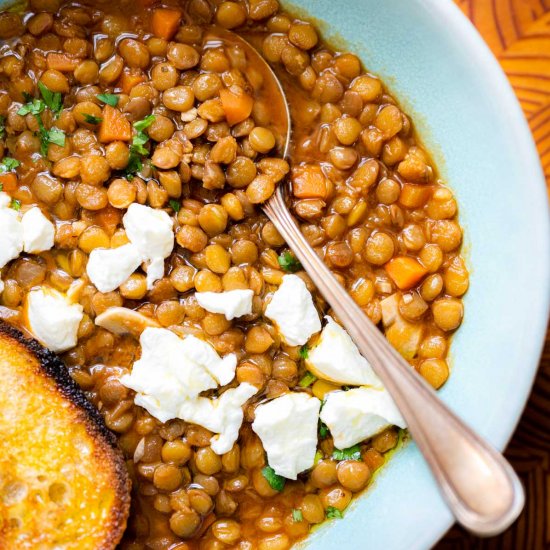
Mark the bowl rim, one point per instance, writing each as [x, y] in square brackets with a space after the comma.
[476, 48]
[449, 16]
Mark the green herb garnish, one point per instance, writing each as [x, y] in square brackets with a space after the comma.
[307, 380]
[289, 263]
[53, 100]
[91, 119]
[304, 352]
[56, 136]
[36, 107]
[32, 107]
[109, 99]
[140, 125]
[15, 204]
[297, 516]
[53, 135]
[276, 481]
[137, 149]
[176, 206]
[8, 165]
[334, 513]
[351, 453]
[323, 429]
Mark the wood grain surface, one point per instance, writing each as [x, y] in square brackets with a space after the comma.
[518, 32]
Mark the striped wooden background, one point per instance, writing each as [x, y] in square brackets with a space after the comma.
[518, 32]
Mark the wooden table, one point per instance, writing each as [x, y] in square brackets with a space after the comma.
[518, 32]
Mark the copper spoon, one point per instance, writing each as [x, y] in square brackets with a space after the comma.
[480, 487]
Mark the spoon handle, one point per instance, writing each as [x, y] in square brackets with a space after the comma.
[478, 484]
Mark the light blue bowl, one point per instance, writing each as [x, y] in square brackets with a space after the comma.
[466, 113]
[445, 77]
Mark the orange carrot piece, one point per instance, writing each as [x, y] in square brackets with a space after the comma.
[130, 79]
[114, 126]
[8, 181]
[309, 182]
[405, 272]
[414, 196]
[165, 22]
[108, 218]
[62, 62]
[237, 105]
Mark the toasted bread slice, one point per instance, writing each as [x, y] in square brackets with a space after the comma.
[63, 482]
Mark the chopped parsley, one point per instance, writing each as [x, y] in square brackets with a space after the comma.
[304, 352]
[36, 107]
[323, 429]
[56, 136]
[15, 204]
[176, 206]
[137, 149]
[2, 126]
[91, 119]
[8, 165]
[53, 100]
[289, 262]
[276, 481]
[32, 107]
[351, 453]
[297, 515]
[334, 513]
[140, 125]
[109, 99]
[307, 380]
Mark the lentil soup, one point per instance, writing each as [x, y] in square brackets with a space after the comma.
[136, 152]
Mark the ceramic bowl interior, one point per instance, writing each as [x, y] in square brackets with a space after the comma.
[445, 77]
[466, 114]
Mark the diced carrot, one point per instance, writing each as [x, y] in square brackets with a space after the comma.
[405, 272]
[114, 126]
[236, 104]
[165, 22]
[130, 79]
[414, 196]
[309, 182]
[108, 218]
[62, 62]
[8, 181]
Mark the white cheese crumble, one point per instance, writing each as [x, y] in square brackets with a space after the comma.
[5, 200]
[287, 427]
[355, 415]
[1, 286]
[171, 371]
[336, 358]
[151, 236]
[223, 416]
[293, 312]
[108, 268]
[32, 233]
[233, 303]
[52, 319]
[38, 231]
[202, 353]
[11, 232]
[151, 231]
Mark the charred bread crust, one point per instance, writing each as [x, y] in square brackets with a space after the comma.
[106, 450]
